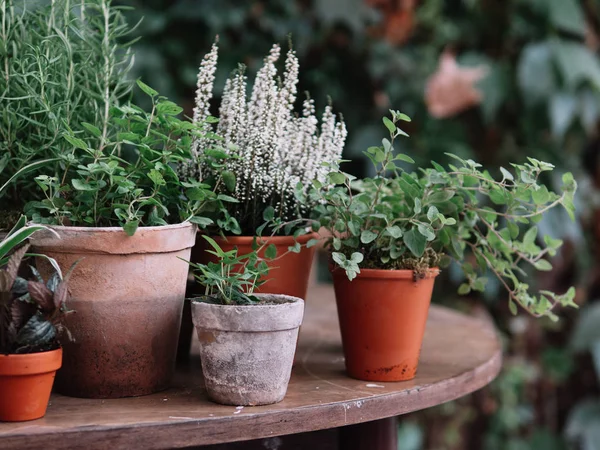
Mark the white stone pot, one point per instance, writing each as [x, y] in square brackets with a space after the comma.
[247, 351]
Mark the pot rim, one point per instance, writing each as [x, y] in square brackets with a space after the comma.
[402, 274]
[249, 318]
[31, 363]
[185, 224]
[281, 240]
[194, 300]
[114, 240]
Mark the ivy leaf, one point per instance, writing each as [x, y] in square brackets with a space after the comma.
[415, 242]
[367, 236]
[357, 257]
[271, 251]
[295, 248]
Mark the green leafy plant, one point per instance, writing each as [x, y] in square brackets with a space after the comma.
[129, 181]
[60, 66]
[412, 220]
[234, 278]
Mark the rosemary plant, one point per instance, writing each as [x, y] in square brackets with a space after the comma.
[60, 66]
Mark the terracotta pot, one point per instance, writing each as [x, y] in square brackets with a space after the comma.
[127, 293]
[247, 350]
[288, 274]
[382, 316]
[25, 384]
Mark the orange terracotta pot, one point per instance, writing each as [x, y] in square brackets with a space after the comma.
[288, 274]
[382, 316]
[25, 384]
[128, 294]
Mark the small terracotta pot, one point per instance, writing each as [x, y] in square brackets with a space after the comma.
[127, 293]
[382, 316]
[25, 384]
[288, 274]
[247, 350]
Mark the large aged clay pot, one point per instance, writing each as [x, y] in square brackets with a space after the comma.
[25, 384]
[247, 350]
[127, 293]
[382, 316]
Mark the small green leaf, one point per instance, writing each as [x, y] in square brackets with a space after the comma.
[367, 236]
[337, 178]
[417, 208]
[357, 257]
[271, 251]
[389, 124]
[202, 222]
[432, 213]
[146, 89]
[229, 180]
[227, 198]
[156, 178]
[464, 289]
[543, 265]
[405, 158]
[312, 243]
[269, 214]
[506, 174]
[131, 227]
[92, 129]
[81, 185]
[75, 142]
[395, 231]
[339, 258]
[415, 242]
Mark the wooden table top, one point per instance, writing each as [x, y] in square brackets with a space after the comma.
[460, 355]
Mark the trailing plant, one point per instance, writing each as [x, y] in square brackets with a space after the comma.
[129, 180]
[30, 311]
[412, 220]
[232, 280]
[270, 149]
[60, 66]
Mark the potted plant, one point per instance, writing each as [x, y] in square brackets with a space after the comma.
[30, 314]
[247, 340]
[390, 234]
[271, 151]
[122, 208]
[63, 63]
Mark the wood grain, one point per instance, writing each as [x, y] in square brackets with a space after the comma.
[460, 355]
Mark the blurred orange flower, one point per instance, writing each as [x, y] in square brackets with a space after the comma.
[398, 20]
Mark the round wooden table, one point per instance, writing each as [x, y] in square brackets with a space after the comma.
[460, 355]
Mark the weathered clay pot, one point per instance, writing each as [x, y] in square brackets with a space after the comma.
[382, 316]
[247, 350]
[25, 384]
[127, 293]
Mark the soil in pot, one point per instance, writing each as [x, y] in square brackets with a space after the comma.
[382, 316]
[128, 294]
[25, 384]
[247, 350]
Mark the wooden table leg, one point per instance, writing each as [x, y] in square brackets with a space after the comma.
[377, 435]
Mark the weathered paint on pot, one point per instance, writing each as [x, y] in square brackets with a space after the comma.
[25, 384]
[288, 274]
[382, 316]
[127, 293]
[247, 350]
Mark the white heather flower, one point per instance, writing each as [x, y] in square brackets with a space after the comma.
[275, 149]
